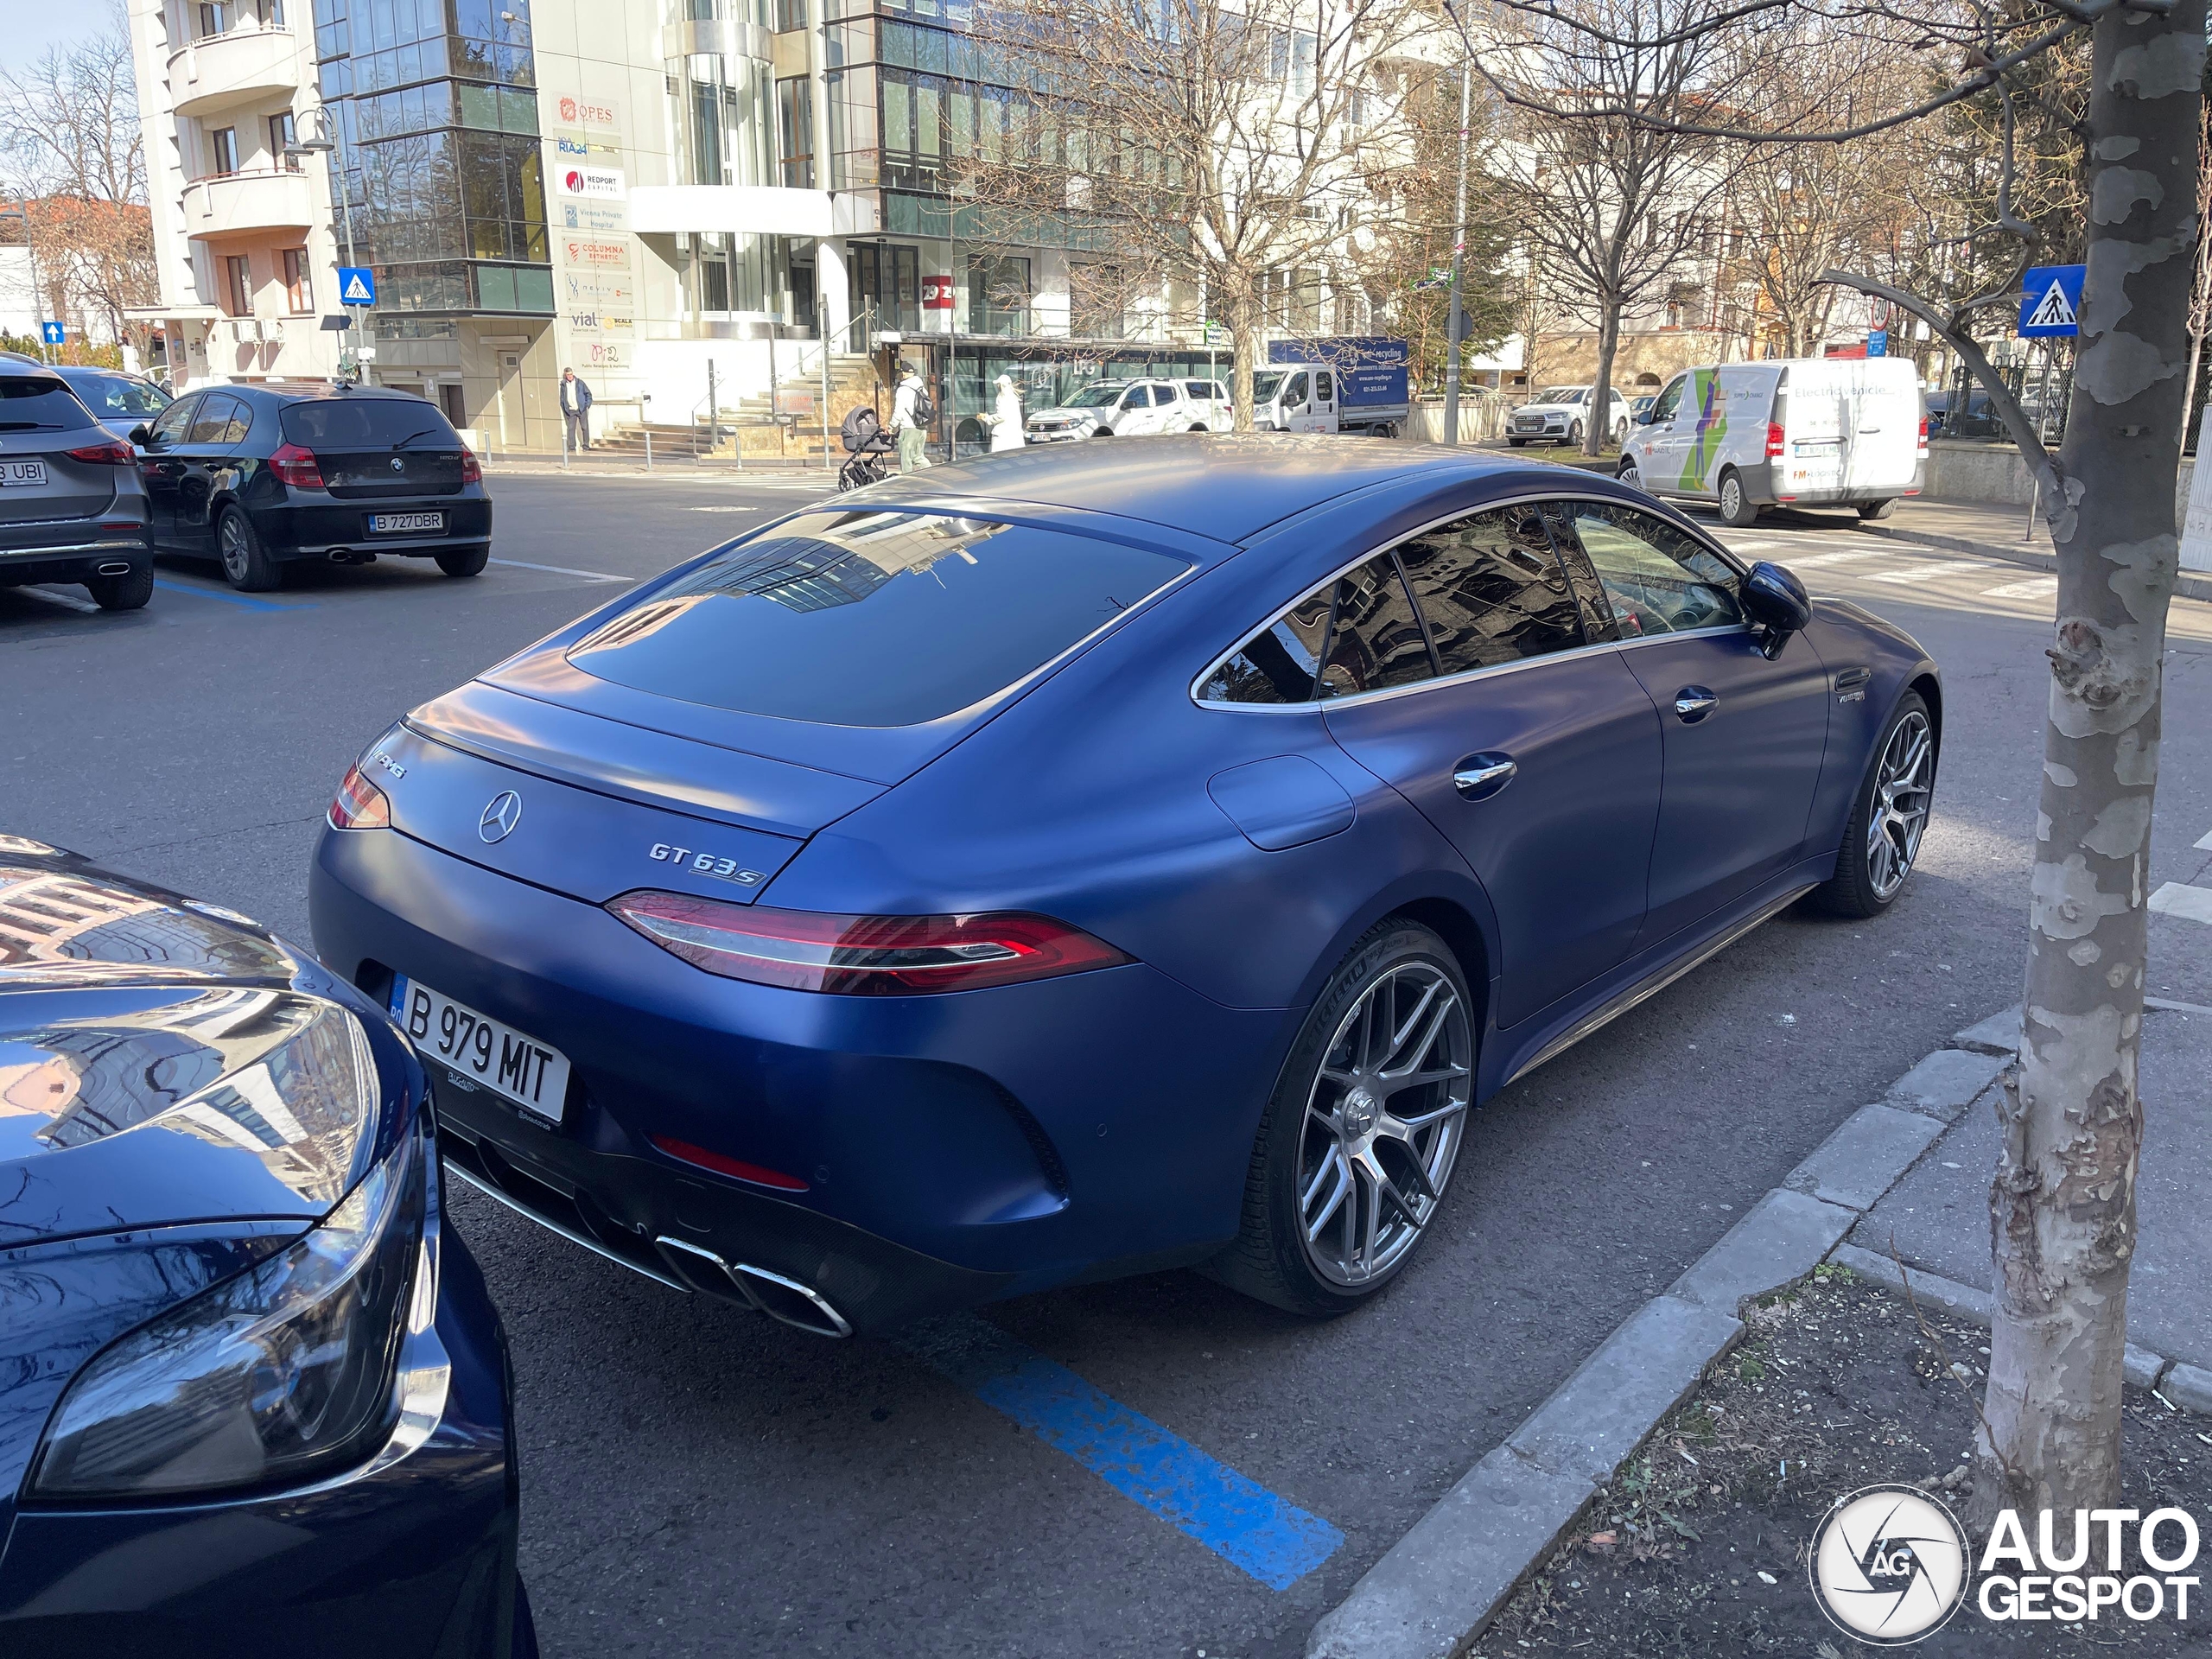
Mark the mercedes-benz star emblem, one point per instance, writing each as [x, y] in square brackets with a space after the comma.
[500, 816]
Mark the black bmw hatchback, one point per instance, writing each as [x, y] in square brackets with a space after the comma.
[260, 476]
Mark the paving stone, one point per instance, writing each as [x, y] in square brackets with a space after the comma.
[1998, 1034]
[1963, 1301]
[2189, 1387]
[1598, 1416]
[2141, 1367]
[1945, 1082]
[1864, 1157]
[1784, 1237]
[1441, 1583]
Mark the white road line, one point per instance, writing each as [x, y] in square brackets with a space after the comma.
[2034, 588]
[725, 509]
[1931, 572]
[564, 570]
[67, 601]
[1763, 541]
[2204, 844]
[2175, 899]
[1819, 559]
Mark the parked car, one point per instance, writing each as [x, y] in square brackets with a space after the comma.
[852, 920]
[117, 401]
[1126, 409]
[257, 1399]
[1350, 384]
[1638, 406]
[262, 475]
[1561, 414]
[72, 506]
[1812, 431]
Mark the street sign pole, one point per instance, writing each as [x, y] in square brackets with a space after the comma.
[1458, 256]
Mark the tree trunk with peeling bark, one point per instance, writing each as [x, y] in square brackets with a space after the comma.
[2063, 1202]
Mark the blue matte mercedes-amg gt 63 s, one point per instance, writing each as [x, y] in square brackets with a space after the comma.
[253, 1397]
[1093, 860]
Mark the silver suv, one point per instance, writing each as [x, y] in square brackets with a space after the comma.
[73, 507]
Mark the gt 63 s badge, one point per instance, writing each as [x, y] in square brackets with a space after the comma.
[722, 870]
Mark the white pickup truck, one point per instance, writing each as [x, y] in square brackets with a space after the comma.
[1131, 408]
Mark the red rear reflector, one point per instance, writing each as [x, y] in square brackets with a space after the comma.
[1773, 441]
[471, 470]
[722, 1165]
[359, 804]
[104, 455]
[861, 956]
[297, 466]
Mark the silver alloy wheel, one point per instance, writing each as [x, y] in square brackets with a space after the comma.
[1904, 789]
[1732, 497]
[1383, 1124]
[229, 538]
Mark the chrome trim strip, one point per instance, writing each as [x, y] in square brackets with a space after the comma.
[73, 547]
[1652, 983]
[552, 1226]
[1200, 678]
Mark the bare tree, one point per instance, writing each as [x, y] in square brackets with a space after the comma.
[2062, 1199]
[69, 122]
[2200, 287]
[1194, 144]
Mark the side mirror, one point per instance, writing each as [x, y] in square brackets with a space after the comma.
[1777, 601]
[139, 434]
[1644, 419]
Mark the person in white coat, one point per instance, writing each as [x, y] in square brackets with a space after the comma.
[1005, 418]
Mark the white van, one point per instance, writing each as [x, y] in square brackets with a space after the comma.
[1804, 432]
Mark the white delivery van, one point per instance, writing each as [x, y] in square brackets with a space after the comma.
[1828, 431]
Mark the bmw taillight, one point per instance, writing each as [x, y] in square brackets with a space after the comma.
[1774, 440]
[104, 455]
[862, 955]
[471, 470]
[359, 803]
[297, 466]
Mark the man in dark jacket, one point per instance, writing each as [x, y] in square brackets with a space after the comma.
[576, 410]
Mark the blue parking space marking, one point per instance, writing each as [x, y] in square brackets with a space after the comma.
[1241, 1521]
[242, 599]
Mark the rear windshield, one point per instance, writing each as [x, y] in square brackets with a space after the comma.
[872, 619]
[118, 394]
[39, 403]
[368, 424]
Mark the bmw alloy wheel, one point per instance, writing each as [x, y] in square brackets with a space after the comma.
[230, 541]
[1383, 1124]
[1903, 788]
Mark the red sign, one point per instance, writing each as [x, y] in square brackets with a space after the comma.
[937, 293]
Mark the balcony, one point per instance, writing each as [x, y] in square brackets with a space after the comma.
[237, 66]
[259, 203]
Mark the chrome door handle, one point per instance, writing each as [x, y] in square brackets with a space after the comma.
[1481, 776]
[1692, 703]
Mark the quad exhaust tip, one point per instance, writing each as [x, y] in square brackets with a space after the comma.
[786, 1300]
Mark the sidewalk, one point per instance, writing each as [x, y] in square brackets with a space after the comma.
[592, 463]
[1992, 531]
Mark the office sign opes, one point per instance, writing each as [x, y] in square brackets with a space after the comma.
[2050, 302]
[357, 285]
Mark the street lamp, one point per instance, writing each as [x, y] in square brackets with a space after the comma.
[1453, 322]
[315, 140]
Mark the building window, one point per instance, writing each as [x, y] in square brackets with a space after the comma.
[215, 17]
[280, 139]
[795, 131]
[998, 295]
[299, 291]
[223, 146]
[791, 14]
[238, 285]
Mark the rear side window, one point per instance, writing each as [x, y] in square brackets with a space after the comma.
[872, 619]
[34, 402]
[1492, 590]
[367, 423]
[1375, 639]
[221, 420]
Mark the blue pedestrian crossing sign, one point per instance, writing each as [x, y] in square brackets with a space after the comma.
[357, 285]
[2050, 301]
[53, 334]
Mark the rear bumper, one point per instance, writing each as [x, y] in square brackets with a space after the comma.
[313, 529]
[415, 1558]
[948, 1149]
[75, 552]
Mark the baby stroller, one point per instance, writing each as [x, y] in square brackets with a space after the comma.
[867, 442]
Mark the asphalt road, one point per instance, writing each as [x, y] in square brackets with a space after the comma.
[696, 1480]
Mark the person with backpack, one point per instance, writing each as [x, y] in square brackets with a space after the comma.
[912, 411]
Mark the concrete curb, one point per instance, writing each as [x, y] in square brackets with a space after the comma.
[1436, 1589]
[2192, 584]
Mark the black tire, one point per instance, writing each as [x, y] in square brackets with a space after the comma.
[128, 592]
[1736, 507]
[1517, 442]
[1628, 473]
[1271, 1260]
[1197, 429]
[1859, 889]
[1575, 435]
[246, 564]
[1877, 509]
[466, 560]
[1620, 432]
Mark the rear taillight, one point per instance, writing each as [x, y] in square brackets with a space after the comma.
[297, 466]
[471, 470]
[862, 955]
[1923, 437]
[104, 455]
[359, 803]
[1774, 441]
